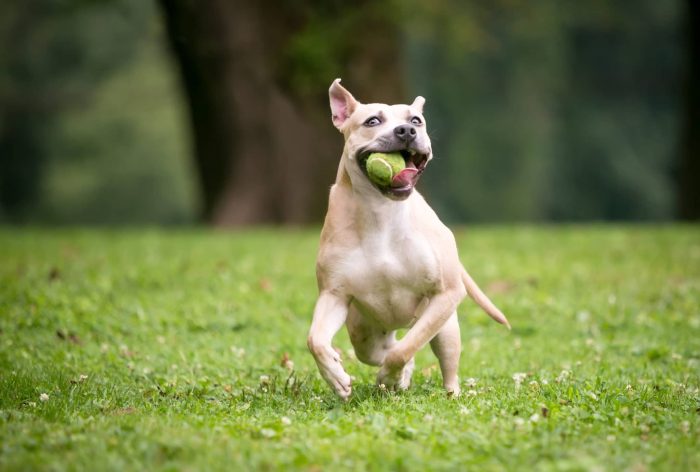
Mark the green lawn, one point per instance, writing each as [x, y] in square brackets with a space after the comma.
[153, 349]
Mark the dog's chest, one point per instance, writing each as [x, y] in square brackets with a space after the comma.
[389, 278]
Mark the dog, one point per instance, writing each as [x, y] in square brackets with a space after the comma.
[385, 259]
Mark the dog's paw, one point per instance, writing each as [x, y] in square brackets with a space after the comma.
[331, 368]
[452, 391]
[396, 379]
[342, 386]
[339, 381]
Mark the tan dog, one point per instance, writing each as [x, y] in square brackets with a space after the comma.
[385, 260]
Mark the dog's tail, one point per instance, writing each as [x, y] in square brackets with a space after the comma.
[482, 300]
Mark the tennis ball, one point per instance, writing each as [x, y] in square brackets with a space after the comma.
[382, 167]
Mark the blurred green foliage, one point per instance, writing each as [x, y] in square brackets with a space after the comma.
[124, 158]
[550, 110]
[101, 137]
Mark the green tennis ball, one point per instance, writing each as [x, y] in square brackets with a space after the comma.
[382, 167]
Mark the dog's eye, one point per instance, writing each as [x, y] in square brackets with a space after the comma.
[416, 120]
[372, 121]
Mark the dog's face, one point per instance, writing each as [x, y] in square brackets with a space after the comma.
[377, 127]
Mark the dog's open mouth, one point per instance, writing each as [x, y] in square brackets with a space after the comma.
[402, 183]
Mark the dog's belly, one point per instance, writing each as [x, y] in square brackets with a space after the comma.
[390, 310]
[390, 286]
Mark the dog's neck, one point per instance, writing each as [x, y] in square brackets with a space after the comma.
[374, 212]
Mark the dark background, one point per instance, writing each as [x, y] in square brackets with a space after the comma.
[215, 111]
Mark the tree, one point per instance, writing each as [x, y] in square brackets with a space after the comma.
[256, 75]
[59, 51]
[689, 172]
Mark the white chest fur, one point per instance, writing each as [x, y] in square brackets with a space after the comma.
[392, 270]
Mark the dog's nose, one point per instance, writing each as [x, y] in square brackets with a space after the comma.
[405, 133]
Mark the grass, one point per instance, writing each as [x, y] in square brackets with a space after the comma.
[163, 350]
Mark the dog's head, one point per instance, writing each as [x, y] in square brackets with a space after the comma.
[376, 127]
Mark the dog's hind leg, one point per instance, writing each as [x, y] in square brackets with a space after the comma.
[431, 320]
[447, 346]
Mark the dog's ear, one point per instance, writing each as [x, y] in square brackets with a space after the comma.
[418, 103]
[342, 103]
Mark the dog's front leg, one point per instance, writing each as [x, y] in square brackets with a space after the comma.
[329, 316]
[429, 323]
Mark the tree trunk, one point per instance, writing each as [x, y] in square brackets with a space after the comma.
[689, 172]
[265, 151]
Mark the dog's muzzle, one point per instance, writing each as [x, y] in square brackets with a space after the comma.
[403, 183]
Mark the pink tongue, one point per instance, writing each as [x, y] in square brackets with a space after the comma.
[405, 177]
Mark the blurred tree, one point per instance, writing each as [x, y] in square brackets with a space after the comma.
[26, 102]
[537, 110]
[550, 110]
[689, 169]
[615, 140]
[491, 73]
[255, 75]
[54, 54]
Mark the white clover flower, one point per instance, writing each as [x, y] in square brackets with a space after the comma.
[519, 421]
[470, 382]
[534, 385]
[464, 411]
[535, 418]
[82, 378]
[44, 397]
[286, 421]
[518, 378]
[563, 376]
[471, 393]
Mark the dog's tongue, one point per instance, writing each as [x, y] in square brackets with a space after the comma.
[405, 177]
